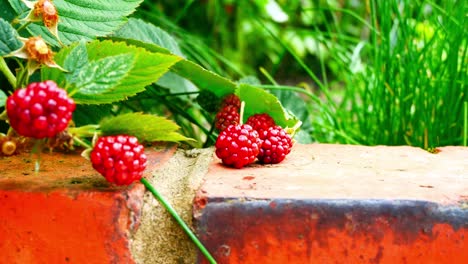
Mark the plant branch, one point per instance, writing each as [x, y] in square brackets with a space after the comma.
[6, 71]
[179, 220]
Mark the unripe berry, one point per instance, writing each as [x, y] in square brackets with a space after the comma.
[231, 99]
[228, 115]
[208, 101]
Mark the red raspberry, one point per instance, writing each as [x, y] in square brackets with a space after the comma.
[276, 144]
[261, 123]
[40, 110]
[238, 145]
[231, 99]
[120, 159]
[228, 115]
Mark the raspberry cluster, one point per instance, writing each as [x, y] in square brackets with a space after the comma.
[41, 110]
[120, 159]
[260, 138]
[229, 112]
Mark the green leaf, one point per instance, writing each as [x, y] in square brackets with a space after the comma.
[3, 98]
[203, 78]
[152, 38]
[143, 126]
[91, 114]
[6, 11]
[9, 41]
[140, 30]
[84, 19]
[146, 68]
[100, 76]
[259, 101]
[61, 58]
[76, 59]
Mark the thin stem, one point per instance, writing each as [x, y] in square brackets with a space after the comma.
[179, 220]
[210, 133]
[183, 12]
[241, 114]
[179, 94]
[6, 71]
[268, 76]
[82, 143]
[465, 133]
[23, 26]
[37, 150]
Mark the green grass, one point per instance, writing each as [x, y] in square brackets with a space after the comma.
[385, 72]
[411, 86]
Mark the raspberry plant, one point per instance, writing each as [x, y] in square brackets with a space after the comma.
[73, 82]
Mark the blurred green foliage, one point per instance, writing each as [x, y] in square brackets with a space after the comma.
[360, 72]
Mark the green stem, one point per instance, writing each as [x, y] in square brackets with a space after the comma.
[268, 76]
[82, 143]
[6, 71]
[241, 113]
[182, 93]
[22, 77]
[465, 133]
[23, 26]
[84, 131]
[179, 220]
[37, 150]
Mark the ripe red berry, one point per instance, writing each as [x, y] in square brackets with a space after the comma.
[238, 145]
[40, 110]
[120, 159]
[228, 115]
[231, 99]
[261, 123]
[276, 144]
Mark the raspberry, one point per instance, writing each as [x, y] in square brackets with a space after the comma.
[276, 144]
[238, 145]
[231, 99]
[40, 110]
[261, 123]
[228, 115]
[208, 101]
[120, 159]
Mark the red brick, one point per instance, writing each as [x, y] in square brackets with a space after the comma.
[67, 213]
[339, 204]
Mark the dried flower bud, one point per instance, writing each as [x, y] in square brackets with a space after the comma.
[45, 11]
[37, 50]
[48, 12]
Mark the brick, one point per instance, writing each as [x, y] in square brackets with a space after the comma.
[67, 213]
[339, 204]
